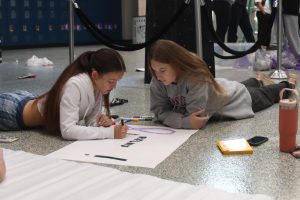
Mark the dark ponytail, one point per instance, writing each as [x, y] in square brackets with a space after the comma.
[84, 61]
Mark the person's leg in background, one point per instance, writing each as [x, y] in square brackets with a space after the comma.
[274, 32]
[263, 20]
[245, 25]
[252, 82]
[267, 19]
[265, 96]
[236, 13]
[264, 91]
[291, 10]
[222, 10]
[260, 23]
[291, 32]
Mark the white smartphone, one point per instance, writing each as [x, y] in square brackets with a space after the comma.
[8, 139]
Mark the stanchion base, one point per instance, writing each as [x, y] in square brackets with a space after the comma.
[278, 74]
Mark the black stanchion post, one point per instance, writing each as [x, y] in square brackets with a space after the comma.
[0, 51]
[279, 73]
[71, 31]
[207, 38]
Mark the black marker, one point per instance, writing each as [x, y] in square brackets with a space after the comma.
[110, 157]
[122, 122]
[114, 116]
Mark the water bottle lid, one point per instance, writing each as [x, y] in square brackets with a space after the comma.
[288, 103]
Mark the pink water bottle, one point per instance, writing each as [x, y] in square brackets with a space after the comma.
[288, 121]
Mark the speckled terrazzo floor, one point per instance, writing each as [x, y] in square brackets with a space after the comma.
[198, 160]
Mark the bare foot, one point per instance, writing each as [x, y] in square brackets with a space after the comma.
[264, 78]
[292, 79]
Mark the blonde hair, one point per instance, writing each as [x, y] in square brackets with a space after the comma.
[188, 64]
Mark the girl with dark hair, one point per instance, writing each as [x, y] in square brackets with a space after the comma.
[184, 94]
[72, 107]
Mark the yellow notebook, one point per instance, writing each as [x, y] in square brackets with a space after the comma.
[237, 146]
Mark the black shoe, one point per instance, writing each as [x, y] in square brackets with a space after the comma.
[117, 101]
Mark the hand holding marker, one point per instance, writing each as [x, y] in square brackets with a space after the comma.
[120, 130]
[124, 128]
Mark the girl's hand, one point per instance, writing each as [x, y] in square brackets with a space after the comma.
[103, 120]
[198, 119]
[120, 131]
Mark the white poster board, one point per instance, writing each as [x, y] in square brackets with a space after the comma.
[144, 146]
[35, 177]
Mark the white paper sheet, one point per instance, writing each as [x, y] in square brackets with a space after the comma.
[34, 177]
[147, 148]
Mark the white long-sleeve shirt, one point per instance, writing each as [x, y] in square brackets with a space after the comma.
[79, 107]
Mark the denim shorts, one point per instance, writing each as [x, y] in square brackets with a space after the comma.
[11, 109]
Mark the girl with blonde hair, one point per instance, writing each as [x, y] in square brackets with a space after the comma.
[184, 94]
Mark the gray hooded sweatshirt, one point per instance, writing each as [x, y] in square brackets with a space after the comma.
[172, 104]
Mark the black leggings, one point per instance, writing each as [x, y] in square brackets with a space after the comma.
[264, 96]
[222, 11]
[263, 20]
[239, 17]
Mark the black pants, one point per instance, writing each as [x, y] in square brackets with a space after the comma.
[222, 10]
[263, 96]
[239, 17]
[263, 20]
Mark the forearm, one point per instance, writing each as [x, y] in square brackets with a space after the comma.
[170, 118]
[78, 132]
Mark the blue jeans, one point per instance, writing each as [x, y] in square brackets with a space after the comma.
[11, 109]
